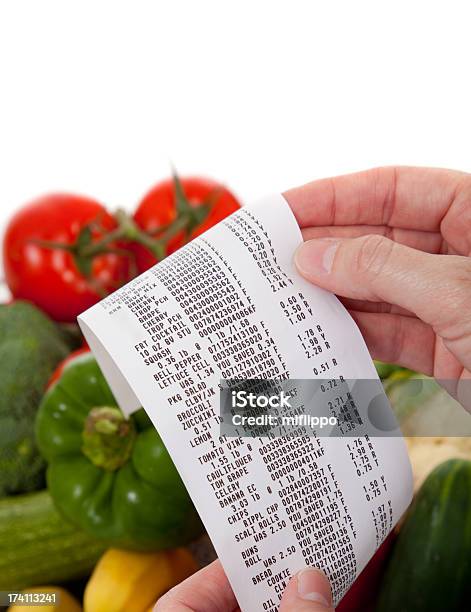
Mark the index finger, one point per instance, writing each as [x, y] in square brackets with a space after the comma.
[400, 197]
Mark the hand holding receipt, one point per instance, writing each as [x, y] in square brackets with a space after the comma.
[231, 305]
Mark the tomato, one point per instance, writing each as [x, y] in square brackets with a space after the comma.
[159, 209]
[66, 252]
[44, 264]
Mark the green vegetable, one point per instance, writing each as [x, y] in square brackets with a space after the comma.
[30, 348]
[409, 393]
[110, 475]
[38, 546]
[430, 568]
[385, 369]
[388, 370]
[71, 335]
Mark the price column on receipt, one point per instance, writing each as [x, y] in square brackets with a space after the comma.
[230, 305]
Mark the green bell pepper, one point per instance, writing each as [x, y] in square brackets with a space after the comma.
[111, 476]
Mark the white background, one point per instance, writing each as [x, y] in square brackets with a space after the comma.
[98, 97]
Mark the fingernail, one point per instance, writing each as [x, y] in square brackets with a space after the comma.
[316, 256]
[314, 586]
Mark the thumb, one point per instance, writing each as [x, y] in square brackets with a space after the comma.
[436, 288]
[308, 591]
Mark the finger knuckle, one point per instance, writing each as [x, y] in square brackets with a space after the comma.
[454, 315]
[374, 254]
[459, 292]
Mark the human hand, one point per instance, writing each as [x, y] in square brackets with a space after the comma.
[395, 245]
[209, 591]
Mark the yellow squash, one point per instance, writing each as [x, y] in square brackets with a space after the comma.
[128, 581]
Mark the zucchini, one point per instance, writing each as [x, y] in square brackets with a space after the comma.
[430, 567]
[38, 546]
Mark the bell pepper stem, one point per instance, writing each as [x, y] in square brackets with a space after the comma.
[108, 437]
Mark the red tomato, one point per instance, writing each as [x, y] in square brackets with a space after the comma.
[49, 277]
[158, 209]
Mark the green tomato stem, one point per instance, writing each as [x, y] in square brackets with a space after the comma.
[85, 248]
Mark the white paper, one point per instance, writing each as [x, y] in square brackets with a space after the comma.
[310, 504]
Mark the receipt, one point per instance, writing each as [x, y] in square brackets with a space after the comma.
[231, 305]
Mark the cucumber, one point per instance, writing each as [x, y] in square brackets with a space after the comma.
[38, 546]
[430, 568]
